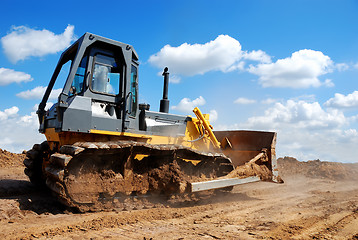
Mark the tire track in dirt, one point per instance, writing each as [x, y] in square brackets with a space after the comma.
[229, 219]
[252, 219]
[347, 221]
[325, 215]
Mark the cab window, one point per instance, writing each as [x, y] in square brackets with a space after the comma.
[106, 75]
[77, 84]
[134, 90]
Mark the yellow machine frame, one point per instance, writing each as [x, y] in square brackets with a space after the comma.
[198, 135]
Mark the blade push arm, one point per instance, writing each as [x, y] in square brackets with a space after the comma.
[207, 127]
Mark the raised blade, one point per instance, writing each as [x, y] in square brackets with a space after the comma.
[221, 183]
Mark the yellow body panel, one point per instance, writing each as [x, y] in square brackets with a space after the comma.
[52, 135]
[196, 136]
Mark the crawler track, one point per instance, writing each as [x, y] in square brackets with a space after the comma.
[93, 176]
[33, 163]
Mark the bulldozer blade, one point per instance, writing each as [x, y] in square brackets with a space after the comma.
[242, 146]
[221, 183]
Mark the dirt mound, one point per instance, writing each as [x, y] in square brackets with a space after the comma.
[289, 166]
[9, 159]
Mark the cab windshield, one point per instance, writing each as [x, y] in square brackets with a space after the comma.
[106, 75]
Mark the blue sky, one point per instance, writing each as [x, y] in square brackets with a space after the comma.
[284, 66]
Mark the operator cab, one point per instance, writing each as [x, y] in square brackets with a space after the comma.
[100, 94]
[101, 76]
[98, 82]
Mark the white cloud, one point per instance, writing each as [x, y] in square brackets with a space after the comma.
[38, 92]
[342, 101]
[301, 70]
[353, 118]
[244, 101]
[8, 113]
[8, 76]
[222, 54]
[174, 79]
[23, 42]
[307, 131]
[301, 114]
[190, 60]
[356, 66]
[239, 66]
[327, 144]
[258, 55]
[18, 132]
[213, 115]
[307, 98]
[351, 133]
[186, 105]
[328, 83]
[269, 101]
[342, 67]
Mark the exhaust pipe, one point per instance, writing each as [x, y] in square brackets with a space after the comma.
[164, 103]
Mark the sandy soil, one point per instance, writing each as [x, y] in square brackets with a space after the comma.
[307, 206]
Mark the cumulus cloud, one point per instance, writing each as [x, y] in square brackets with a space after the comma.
[325, 144]
[342, 101]
[23, 42]
[244, 101]
[222, 54]
[38, 92]
[239, 66]
[213, 115]
[186, 105]
[259, 56]
[301, 70]
[8, 113]
[8, 76]
[301, 114]
[18, 132]
[307, 131]
[189, 60]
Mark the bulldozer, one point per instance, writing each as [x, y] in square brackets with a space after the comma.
[104, 148]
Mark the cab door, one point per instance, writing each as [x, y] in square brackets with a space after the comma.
[105, 88]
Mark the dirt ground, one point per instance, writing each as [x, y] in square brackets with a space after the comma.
[318, 200]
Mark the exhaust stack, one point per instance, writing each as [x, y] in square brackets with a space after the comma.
[164, 103]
